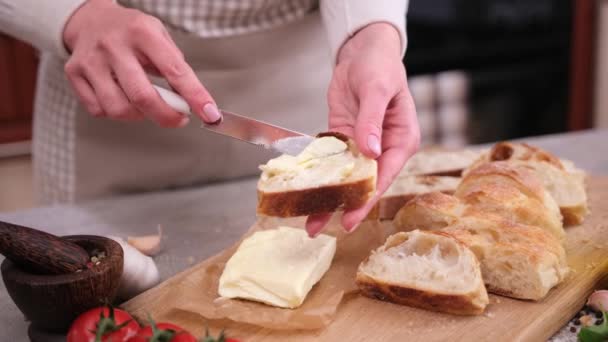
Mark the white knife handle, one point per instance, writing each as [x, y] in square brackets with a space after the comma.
[173, 100]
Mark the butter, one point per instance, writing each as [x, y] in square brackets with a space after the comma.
[321, 148]
[281, 164]
[277, 267]
[309, 158]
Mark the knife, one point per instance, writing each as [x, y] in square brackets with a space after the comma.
[245, 128]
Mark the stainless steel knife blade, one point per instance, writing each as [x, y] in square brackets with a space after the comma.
[245, 128]
[260, 133]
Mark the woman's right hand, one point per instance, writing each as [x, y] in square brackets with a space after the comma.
[112, 48]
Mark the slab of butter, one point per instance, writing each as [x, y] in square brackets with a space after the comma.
[277, 267]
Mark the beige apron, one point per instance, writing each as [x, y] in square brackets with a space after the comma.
[280, 76]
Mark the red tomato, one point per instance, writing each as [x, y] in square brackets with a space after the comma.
[103, 324]
[164, 332]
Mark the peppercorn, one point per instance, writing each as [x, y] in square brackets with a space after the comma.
[577, 322]
[598, 314]
[599, 321]
[572, 329]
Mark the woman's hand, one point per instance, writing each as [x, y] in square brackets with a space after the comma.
[112, 48]
[369, 101]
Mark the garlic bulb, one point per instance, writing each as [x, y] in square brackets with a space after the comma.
[139, 271]
[598, 300]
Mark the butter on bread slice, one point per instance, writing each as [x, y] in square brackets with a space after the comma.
[277, 267]
[328, 175]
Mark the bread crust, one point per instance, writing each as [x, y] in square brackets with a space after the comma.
[524, 178]
[325, 199]
[510, 202]
[459, 305]
[430, 211]
[524, 154]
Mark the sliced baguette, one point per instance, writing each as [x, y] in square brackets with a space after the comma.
[512, 191]
[564, 182]
[429, 270]
[405, 188]
[517, 261]
[432, 211]
[320, 184]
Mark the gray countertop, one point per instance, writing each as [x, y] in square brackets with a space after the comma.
[200, 222]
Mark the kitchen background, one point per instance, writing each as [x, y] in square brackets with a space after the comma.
[479, 71]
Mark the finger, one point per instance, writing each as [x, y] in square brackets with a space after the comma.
[316, 223]
[83, 91]
[401, 140]
[142, 95]
[373, 102]
[169, 61]
[109, 95]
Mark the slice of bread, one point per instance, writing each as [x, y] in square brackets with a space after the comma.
[429, 270]
[517, 261]
[329, 175]
[561, 178]
[405, 188]
[512, 191]
[439, 162]
[432, 211]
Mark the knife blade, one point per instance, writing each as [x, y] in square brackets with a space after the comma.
[245, 128]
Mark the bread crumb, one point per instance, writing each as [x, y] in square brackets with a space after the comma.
[586, 320]
[190, 260]
[489, 314]
[497, 301]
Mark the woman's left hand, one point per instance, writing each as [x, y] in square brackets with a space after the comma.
[369, 101]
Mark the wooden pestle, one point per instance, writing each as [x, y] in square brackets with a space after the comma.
[40, 252]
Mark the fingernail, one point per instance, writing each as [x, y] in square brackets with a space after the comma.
[184, 122]
[353, 228]
[212, 114]
[373, 143]
[315, 234]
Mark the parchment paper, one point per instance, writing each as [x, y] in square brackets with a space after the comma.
[195, 292]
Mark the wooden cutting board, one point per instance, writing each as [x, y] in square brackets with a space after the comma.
[359, 318]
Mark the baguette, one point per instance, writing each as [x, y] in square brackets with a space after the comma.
[478, 193]
[432, 211]
[429, 270]
[512, 191]
[564, 182]
[517, 261]
[330, 174]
